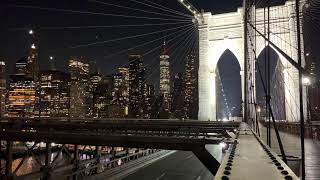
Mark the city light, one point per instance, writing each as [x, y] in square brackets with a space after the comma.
[51, 57]
[30, 31]
[33, 46]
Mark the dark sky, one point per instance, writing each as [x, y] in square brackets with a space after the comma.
[57, 42]
[57, 39]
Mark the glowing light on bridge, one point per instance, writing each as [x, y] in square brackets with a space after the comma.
[190, 7]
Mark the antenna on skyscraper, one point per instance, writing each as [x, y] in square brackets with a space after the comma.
[165, 50]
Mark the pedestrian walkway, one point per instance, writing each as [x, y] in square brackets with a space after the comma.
[292, 147]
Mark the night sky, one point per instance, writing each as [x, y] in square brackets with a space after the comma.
[58, 42]
[58, 39]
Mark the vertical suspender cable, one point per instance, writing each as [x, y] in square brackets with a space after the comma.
[245, 103]
[254, 64]
[300, 91]
[268, 74]
[265, 72]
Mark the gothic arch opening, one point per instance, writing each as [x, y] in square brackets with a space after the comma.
[228, 86]
[277, 85]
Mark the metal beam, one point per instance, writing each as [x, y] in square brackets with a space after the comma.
[207, 159]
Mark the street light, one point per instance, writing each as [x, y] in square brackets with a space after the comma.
[51, 57]
[306, 81]
[258, 109]
[30, 31]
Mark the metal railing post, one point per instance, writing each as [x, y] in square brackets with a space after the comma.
[75, 161]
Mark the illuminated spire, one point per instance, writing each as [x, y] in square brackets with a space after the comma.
[165, 50]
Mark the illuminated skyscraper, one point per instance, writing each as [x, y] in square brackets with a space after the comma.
[54, 94]
[102, 99]
[149, 100]
[95, 79]
[21, 100]
[177, 96]
[120, 93]
[79, 88]
[3, 89]
[190, 86]
[125, 90]
[165, 79]
[136, 86]
[32, 60]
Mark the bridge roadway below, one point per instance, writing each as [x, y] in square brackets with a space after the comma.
[247, 158]
[181, 165]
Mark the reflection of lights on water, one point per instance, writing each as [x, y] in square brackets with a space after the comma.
[119, 162]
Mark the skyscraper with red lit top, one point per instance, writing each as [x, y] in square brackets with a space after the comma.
[165, 79]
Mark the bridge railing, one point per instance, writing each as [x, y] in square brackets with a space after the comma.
[312, 131]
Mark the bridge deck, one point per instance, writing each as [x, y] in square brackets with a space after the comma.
[249, 158]
[292, 147]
